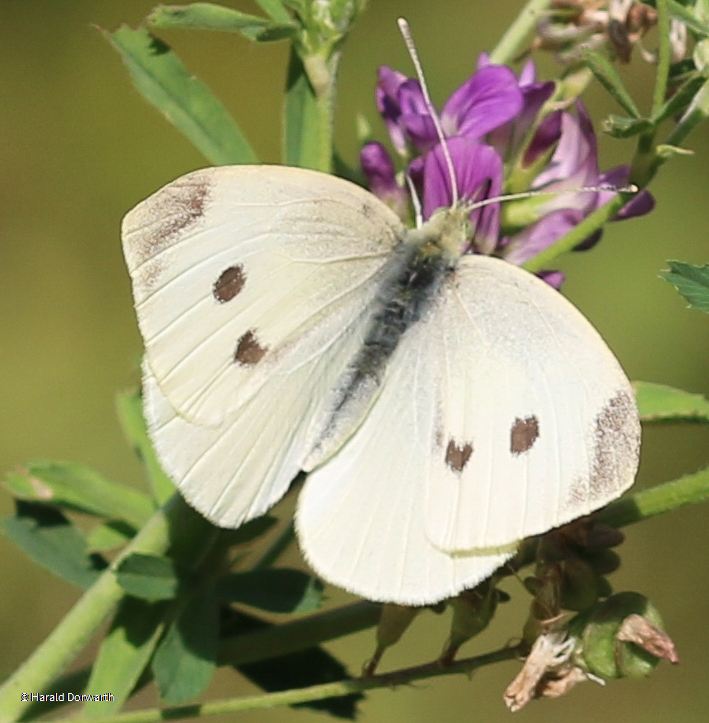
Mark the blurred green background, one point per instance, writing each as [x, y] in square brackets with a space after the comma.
[78, 148]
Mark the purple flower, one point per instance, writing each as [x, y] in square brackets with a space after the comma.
[488, 99]
[478, 175]
[491, 118]
[381, 175]
[573, 165]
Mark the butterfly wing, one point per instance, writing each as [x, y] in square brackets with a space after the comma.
[501, 415]
[537, 420]
[253, 286]
[360, 516]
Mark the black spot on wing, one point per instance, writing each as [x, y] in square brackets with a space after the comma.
[248, 349]
[523, 434]
[457, 456]
[229, 284]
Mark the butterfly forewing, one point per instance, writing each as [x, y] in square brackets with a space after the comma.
[536, 420]
[240, 272]
[253, 289]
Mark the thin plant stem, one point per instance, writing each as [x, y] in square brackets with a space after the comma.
[512, 42]
[315, 692]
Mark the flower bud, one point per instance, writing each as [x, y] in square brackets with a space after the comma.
[393, 622]
[623, 638]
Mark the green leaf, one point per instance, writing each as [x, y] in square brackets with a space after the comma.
[77, 486]
[298, 669]
[658, 403]
[185, 660]
[148, 576]
[207, 16]
[301, 132]
[48, 538]
[280, 590]
[124, 653]
[129, 406]
[680, 99]
[109, 535]
[164, 81]
[619, 127]
[691, 281]
[607, 76]
[275, 10]
[681, 13]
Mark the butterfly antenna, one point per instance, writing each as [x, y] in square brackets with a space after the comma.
[631, 188]
[408, 39]
[418, 210]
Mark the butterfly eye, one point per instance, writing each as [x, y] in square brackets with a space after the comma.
[248, 350]
[457, 456]
[523, 434]
[229, 284]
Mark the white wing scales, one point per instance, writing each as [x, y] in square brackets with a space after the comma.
[360, 515]
[502, 414]
[248, 262]
[253, 288]
[531, 389]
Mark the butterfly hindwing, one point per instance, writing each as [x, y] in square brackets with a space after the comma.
[360, 517]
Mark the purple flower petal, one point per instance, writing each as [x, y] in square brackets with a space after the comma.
[478, 171]
[398, 95]
[381, 177]
[640, 204]
[573, 166]
[538, 236]
[508, 138]
[488, 99]
[548, 133]
[553, 278]
[528, 74]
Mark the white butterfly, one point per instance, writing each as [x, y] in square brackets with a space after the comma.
[445, 406]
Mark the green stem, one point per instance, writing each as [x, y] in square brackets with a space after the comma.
[322, 72]
[663, 59]
[512, 42]
[283, 540]
[688, 490]
[71, 635]
[299, 634]
[578, 234]
[321, 627]
[315, 692]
